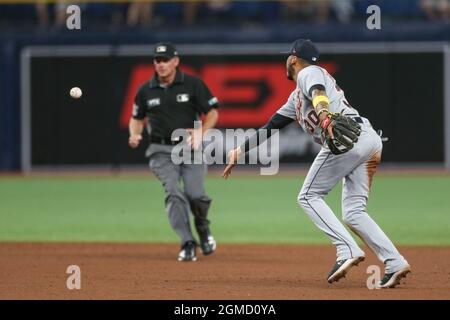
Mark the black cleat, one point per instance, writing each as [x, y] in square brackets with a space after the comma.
[208, 245]
[188, 252]
[390, 280]
[341, 268]
[207, 242]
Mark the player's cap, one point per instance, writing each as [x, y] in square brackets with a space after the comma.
[305, 49]
[165, 49]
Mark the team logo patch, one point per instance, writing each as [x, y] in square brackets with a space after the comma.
[153, 102]
[183, 97]
[161, 49]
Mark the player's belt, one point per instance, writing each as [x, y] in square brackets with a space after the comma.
[165, 141]
[359, 119]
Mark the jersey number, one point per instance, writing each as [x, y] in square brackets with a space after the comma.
[312, 121]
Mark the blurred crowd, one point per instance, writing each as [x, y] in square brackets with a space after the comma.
[192, 13]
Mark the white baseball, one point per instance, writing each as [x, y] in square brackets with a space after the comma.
[75, 92]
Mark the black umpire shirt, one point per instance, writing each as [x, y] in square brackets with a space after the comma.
[173, 107]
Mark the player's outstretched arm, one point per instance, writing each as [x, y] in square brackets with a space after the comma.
[277, 121]
[233, 157]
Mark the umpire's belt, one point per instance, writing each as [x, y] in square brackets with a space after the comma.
[165, 141]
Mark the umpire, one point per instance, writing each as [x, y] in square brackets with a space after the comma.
[172, 100]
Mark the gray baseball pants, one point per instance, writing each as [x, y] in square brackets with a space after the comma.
[178, 200]
[356, 168]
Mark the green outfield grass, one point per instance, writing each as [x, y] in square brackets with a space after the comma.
[259, 209]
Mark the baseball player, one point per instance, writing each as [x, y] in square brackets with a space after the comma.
[173, 100]
[351, 150]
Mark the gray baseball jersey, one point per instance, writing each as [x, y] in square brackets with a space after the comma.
[356, 168]
[299, 105]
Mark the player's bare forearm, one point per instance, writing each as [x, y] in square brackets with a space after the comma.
[135, 129]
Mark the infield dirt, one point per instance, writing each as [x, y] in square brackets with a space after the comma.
[151, 271]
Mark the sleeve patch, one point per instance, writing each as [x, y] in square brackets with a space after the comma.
[135, 110]
[213, 101]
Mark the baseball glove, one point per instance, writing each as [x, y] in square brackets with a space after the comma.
[345, 131]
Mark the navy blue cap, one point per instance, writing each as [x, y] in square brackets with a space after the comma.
[305, 49]
[165, 49]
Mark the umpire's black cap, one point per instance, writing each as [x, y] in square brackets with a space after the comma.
[305, 49]
[165, 49]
